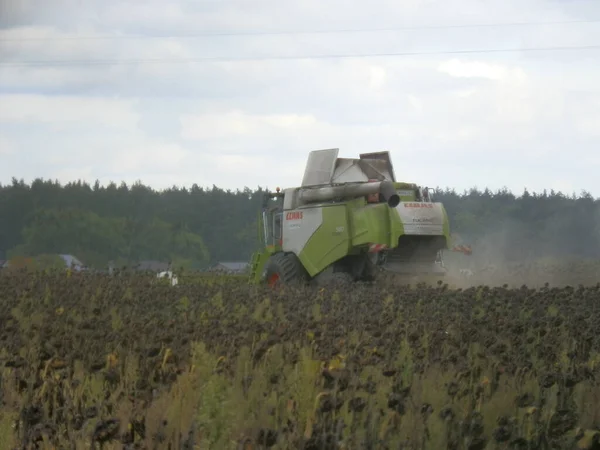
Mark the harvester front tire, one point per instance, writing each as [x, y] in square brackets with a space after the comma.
[284, 269]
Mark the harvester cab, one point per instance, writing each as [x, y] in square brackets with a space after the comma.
[272, 219]
[349, 218]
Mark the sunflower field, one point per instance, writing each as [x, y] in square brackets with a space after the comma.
[126, 362]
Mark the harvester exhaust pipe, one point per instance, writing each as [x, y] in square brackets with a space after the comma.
[352, 190]
[389, 194]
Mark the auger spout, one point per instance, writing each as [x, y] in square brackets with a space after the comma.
[350, 190]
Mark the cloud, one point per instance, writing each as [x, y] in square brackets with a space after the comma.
[66, 109]
[83, 138]
[477, 69]
[7, 147]
[590, 126]
[486, 119]
[20, 12]
[146, 155]
[238, 124]
[285, 136]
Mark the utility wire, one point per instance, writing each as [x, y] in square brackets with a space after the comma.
[294, 32]
[99, 62]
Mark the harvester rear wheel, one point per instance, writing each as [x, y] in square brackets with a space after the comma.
[369, 272]
[284, 269]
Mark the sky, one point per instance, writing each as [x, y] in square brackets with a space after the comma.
[236, 93]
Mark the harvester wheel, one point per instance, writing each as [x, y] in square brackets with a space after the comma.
[284, 268]
[369, 273]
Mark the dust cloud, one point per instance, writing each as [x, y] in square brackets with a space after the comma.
[511, 254]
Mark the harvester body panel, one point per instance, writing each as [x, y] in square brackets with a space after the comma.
[317, 235]
[320, 235]
[373, 224]
[420, 218]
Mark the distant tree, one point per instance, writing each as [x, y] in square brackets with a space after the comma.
[197, 226]
[49, 261]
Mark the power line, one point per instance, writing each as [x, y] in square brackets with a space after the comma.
[296, 32]
[43, 63]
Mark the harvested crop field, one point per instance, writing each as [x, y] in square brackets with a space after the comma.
[116, 362]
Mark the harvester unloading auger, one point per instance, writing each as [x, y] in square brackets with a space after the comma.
[348, 219]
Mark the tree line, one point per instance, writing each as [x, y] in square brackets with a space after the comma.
[195, 227]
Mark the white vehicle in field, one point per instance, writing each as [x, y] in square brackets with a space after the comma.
[170, 275]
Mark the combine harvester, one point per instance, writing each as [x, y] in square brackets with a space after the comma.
[348, 220]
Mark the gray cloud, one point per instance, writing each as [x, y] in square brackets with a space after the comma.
[496, 119]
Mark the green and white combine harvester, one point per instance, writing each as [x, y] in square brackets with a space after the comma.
[348, 220]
